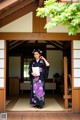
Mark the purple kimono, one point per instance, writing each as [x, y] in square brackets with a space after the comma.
[38, 82]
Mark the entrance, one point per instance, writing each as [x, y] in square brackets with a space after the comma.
[58, 84]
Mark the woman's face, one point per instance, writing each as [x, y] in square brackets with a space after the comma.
[37, 55]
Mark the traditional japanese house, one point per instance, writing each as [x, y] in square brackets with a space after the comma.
[20, 32]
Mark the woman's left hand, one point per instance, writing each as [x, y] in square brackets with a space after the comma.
[46, 62]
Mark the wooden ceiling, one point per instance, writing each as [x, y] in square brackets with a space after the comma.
[11, 10]
[55, 45]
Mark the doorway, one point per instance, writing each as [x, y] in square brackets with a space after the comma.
[19, 55]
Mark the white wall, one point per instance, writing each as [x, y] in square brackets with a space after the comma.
[14, 67]
[23, 24]
[55, 58]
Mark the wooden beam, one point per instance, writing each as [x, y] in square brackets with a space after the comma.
[58, 43]
[55, 43]
[10, 44]
[7, 3]
[19, 13]
[38, 36]
[10, 41]
[15, 8]
[50, 42]
[16, 45]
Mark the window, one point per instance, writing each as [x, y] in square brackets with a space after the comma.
[26, 67]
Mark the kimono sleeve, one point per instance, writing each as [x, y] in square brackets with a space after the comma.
[46, 71]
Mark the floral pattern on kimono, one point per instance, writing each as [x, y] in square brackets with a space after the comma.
[38, 82]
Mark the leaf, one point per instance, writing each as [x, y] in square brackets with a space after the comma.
[67, 14]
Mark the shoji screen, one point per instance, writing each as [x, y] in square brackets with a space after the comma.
[76, 63]
[76, 75]
[2, 75]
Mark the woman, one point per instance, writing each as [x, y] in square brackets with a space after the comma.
[38, 80]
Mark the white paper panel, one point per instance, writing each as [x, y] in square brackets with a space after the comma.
[77, 63]
[76, 72]
[1, 82]
[76, 82]
[1, 53]
[1, 72]
[76, 44]
[1, 44]
[76, 53]
[1, 63]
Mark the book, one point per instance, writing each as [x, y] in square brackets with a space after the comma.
[36, 70]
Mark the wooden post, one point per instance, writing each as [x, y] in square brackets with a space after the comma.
[38, 24]
[66, 82]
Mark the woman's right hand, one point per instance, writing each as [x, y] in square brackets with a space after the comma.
[34, 74]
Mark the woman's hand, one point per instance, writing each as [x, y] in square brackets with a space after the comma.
[46, 62]
[42, 58]
[34, 74]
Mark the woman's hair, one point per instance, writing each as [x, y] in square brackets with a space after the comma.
[37, 50]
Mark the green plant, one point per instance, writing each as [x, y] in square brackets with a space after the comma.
[65, 13]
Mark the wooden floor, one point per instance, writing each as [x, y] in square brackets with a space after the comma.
[49, 95]
[42, 116]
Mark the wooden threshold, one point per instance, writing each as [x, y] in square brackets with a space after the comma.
[67, 111]
[45, 117]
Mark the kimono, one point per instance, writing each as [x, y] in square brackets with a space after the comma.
[38, 82]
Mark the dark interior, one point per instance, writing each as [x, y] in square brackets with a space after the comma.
[24, 50]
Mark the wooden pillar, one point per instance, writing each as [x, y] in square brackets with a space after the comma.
[66, 81]
[38, 23]
[2, 75]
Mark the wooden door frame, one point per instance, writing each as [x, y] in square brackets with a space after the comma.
[36, 36]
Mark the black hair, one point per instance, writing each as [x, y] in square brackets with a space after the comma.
[37, 50]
